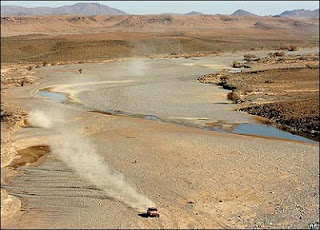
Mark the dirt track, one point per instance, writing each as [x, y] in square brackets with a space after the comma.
[197, 178]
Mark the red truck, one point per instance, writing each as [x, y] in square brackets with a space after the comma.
[153, 212]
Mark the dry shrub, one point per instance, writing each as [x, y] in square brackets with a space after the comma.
[279, 54]
[292, 48]
[234, 97]
[29, 67]
[44, 63]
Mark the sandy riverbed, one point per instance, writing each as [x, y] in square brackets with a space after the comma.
[197, 178]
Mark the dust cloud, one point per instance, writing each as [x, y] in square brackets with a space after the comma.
[81, 155]
[39, 119]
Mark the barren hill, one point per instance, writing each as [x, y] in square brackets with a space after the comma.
[76, 9]
[19, 25]
[58, 38]
[242, 13]
[194, 13]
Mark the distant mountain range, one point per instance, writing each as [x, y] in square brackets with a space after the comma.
[194, 13]
[100, 9]
[76, 9]
[301, 13]
[189, 13]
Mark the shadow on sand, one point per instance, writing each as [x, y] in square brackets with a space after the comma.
[144, 215]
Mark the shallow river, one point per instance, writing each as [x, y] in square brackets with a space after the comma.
[163, 91]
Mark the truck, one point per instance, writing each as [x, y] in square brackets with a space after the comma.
[153, 212]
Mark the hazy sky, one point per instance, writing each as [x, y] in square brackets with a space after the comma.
[208, 7]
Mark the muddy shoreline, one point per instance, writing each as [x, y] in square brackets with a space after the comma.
[306, 126]
[282, 89]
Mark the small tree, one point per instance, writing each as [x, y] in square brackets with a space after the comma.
[80, 71]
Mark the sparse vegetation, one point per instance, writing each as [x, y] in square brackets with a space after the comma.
[29, 67]
[292, 48]
[45, 63]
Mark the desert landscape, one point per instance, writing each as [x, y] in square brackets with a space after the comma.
[212, 119]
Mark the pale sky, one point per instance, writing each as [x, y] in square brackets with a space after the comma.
[207, 7]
